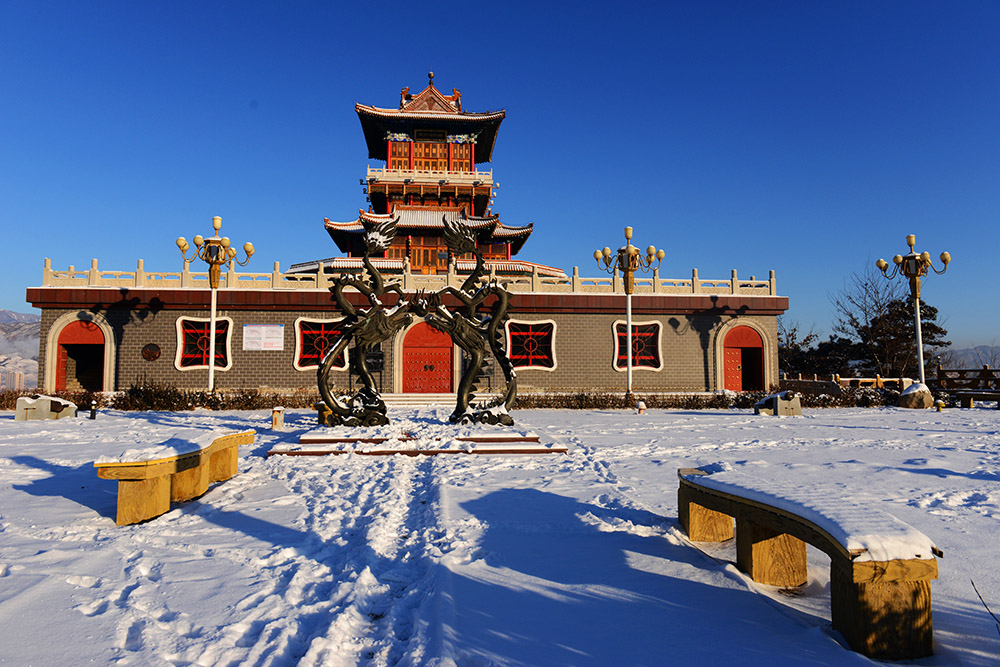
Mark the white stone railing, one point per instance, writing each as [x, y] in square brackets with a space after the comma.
[276, 280]
[425, 176]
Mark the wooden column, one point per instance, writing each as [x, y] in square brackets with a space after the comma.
[190, 482]
[770, 557]
[700, 523]
[142, 499]
[884, 619]
[223, 464]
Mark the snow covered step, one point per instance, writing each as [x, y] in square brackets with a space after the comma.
[429, 399]
[880, 567]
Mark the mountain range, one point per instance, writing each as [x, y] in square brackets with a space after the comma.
[19, 334]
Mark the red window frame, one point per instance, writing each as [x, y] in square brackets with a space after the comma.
[645, 346]
[314, 338]
[531, 344]
[194, 343]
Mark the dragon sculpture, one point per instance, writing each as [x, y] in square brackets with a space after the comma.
[366, 329]
[474, 329]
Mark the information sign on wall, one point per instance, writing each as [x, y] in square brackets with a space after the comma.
[264, 337]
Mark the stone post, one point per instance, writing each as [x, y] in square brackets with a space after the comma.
[140, 274]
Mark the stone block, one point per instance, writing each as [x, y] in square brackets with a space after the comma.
[916, 396]
[783, 404]
[43, 407]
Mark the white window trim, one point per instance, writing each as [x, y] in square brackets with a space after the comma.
[659, 346]
[298, 344]
[207, 320]
[555, 358]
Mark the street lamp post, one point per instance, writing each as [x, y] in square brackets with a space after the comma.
[216, 252]
[628, 261]
[914, 266]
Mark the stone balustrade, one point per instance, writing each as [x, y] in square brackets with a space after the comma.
[276, 280]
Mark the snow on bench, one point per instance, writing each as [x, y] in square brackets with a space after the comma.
[880, 567]
[179, 468]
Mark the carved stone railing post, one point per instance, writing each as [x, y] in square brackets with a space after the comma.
[47, 272]
[695, 282]
[186, 280]
[536, 284]
[276, 276]
[140, 274]
[93, 276]
[322, 281]
[734, 282]
[772, 287]
[575, 280]
[656, 280]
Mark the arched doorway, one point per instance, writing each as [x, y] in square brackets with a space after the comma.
[743, 357]
[80, 357]
[427, 360]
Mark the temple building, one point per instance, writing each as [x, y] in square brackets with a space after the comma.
[430, 147]
[107, 329]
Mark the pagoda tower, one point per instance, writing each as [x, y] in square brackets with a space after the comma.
[431, 148]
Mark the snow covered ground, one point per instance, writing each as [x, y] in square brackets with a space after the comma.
[474, 560]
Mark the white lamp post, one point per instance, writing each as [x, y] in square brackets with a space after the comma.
[914, 266]
[628, 261]
[216, 252]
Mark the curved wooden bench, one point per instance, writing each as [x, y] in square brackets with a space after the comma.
[880, 567]
[177, 469]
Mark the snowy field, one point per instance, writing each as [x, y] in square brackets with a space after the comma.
[475, 560]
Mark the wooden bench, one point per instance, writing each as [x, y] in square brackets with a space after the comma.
[178, 469]
[880, 567]
[969, 385]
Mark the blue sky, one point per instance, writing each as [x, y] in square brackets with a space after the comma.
[804, 137]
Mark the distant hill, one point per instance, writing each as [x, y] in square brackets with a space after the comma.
[8, 316]
[972, 357]
[19, 334]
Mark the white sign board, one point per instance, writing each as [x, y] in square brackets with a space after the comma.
[264, 337]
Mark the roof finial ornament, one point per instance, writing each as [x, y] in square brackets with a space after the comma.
[430, 76]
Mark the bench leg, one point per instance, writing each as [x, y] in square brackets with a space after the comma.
[223, 463]
[965, 401]
[770, 557]
[700, 523]
[884, 620]
[142, 499]
[190, 483]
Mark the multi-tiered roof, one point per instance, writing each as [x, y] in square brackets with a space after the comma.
[431, 147]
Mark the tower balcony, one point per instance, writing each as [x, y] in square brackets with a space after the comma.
[384, 176]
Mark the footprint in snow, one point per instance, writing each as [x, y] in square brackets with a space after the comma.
[83, 581]
[133, 637]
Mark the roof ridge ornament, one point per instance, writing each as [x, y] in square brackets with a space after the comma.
[430, 79]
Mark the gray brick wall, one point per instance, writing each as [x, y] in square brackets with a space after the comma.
[584, 348]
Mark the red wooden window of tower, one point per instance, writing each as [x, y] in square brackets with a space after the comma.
[645, 346]
[399, 157]
[532, 344]
[315, 340]
[428, 254]
[461, 157]
[397, 250]
[195, 343]
[430, 156]
[494, 251]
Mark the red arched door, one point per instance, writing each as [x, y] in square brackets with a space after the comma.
[743, 355]
[426, 360]
[80, 357]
